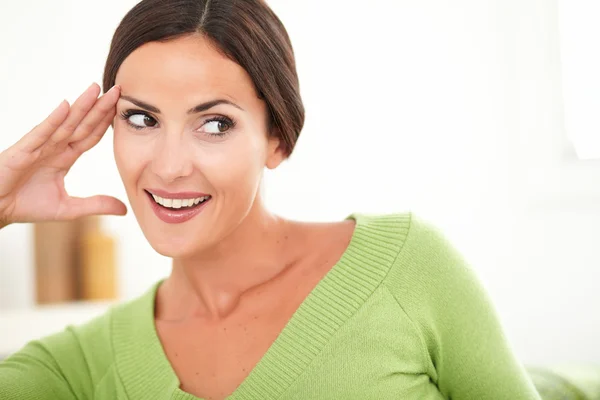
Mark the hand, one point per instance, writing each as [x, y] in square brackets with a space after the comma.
[32, 171]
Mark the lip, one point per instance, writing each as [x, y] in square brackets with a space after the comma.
[179, 195]
[176, 216]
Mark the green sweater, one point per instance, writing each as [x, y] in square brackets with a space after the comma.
[400, 316]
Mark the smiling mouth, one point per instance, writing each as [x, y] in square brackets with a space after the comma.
[178, 204]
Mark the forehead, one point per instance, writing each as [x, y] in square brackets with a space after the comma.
[183, 67]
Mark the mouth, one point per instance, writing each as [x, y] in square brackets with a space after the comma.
[178, 204]
[177, 208]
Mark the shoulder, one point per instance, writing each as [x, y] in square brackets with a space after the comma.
[428, 263]
[405, 231]
[71, 363]
[83, 351]
[418, 264]
[381, 233]
[65, 364]
[436, 286]
[428, 266]
[409, 248]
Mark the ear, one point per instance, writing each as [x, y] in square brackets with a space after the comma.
[275, 151]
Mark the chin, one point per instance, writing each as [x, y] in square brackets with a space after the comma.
[170, 243]
[169, 247]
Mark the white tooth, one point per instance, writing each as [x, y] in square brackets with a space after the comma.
[160, 200]
[155, 197]
[196, 201]
[176, 203]
[167, 202]
[184, 203]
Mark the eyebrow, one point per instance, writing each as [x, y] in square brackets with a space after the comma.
[194, 110]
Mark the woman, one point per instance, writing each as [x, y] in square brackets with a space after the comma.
[205, 95]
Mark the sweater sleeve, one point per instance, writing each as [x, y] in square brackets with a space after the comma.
[52, 367]
[32, 373]
[465, 347]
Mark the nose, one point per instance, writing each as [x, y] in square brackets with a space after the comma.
[171, 160]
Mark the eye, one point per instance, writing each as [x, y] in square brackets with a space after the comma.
[138, 119]
[219, 126]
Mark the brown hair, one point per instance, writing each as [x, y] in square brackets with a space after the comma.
[246, 31]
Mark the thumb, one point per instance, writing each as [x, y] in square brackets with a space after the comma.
[77, 207]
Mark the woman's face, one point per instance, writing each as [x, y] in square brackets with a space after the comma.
[172, 154]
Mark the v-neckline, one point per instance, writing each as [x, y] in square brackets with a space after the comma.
[145, 369]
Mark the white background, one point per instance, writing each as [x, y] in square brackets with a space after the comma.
[453, 110]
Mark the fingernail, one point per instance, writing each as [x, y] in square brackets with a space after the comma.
[115, 87]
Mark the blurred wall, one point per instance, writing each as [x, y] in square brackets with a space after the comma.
[450, 109]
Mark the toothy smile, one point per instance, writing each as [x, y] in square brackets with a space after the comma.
[179, 203]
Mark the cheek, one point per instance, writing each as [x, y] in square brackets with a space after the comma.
[236, 167]
[128, 156]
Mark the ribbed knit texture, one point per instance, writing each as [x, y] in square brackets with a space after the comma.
[401, 315]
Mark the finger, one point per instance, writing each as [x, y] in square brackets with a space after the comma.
[79, 109]
[92, 139]
[104, 106]
[77, 207]
[40, 134]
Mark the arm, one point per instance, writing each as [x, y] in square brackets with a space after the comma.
[33, 374]
[467, 349]
[69, 364]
